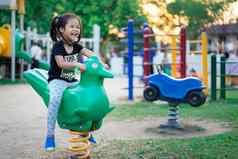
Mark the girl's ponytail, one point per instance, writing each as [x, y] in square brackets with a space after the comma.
[54, 30]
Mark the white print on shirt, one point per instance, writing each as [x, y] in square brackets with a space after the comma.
[69, 74]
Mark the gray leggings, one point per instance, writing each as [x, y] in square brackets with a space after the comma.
[56, 89]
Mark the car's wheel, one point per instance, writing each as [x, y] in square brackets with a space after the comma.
[150, 93]
[196, 98]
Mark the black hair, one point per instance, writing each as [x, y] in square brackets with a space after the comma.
[60, 22]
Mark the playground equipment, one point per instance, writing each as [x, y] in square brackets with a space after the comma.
[78, 112]
[164, 87]
[5, 47]
[5, 34]
[222, 74]
[182, 48]
[13, 6]
[201, 55]
[25, 55]
[131, 32]
[5, 40]
[146, 63]
[174, 91]
[175, 49]
[183, 64]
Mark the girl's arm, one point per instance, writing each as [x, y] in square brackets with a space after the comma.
[68, 65]
[87, 52]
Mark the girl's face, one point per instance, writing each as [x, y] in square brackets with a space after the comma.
[71, 31]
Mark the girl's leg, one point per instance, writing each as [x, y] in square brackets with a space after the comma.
[56, 89]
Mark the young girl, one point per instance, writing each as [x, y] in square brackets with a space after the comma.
[65, 32]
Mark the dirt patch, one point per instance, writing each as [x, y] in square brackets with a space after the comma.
[149, 129]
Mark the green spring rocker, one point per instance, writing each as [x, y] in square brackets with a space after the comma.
[83, 105]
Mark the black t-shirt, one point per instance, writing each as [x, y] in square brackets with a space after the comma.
[55, 72]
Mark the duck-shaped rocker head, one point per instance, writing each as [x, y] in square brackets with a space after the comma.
[84, 105]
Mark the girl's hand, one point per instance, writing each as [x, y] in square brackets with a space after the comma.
[106, 66]
[81, 67]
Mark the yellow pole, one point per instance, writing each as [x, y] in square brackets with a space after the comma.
[205, 61]
[21, 7]
[174, 61]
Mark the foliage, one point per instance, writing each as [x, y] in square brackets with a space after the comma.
[5, 17]
[122, 11]
[199, 13]
[38, 14]
[103, 12]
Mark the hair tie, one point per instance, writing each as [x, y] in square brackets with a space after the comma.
[57, 20]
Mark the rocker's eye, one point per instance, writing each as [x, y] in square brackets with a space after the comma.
[94, 65]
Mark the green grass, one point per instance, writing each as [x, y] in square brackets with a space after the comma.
[222, 146]
[214, 147]
[223, 110]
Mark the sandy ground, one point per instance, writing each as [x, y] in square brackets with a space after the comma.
[23, 122]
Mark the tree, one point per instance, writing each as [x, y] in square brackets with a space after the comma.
[198, 13]
[38, 14]
[103, 12]
[161, 21]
